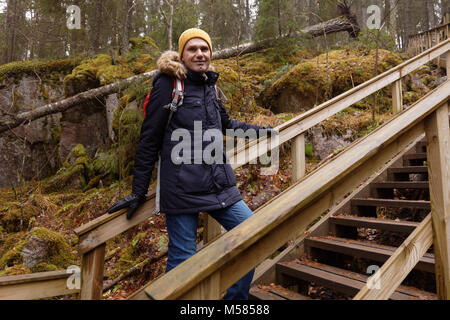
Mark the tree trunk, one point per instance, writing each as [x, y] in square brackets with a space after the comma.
[430, 13]
[170, 36]
[12, 4]
[127, 26]
[98, 28]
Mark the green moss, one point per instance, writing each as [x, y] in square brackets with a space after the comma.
[16, 216]
[92, 73]
[44, 266]
[130, 256]
[76, 171]
[56, 134]
[15, 270]
[40, 67]
[59, 251]
[328, 75]
[146, 44]
[12, 256]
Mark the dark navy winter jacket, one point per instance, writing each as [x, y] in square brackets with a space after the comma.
[185, 188]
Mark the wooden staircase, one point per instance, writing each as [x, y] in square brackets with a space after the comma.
[332, 262]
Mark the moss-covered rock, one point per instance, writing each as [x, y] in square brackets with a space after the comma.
[319, 79]
[92, 73]
[58, 252]
[40, 67]
[76, 172]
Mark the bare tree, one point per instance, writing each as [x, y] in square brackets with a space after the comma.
[127, 26]
[169, 21]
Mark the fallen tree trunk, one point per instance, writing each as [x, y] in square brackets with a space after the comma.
[10, 121]
[345, 23]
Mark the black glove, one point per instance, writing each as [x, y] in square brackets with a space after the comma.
[132, 201]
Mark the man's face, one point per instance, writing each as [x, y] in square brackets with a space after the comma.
[197, 55]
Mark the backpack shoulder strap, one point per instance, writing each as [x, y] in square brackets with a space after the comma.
[177, 95]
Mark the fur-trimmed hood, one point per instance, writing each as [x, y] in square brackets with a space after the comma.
[170, 64]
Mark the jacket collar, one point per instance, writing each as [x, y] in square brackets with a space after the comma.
[197, 77]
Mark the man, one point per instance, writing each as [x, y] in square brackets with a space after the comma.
[196, 186]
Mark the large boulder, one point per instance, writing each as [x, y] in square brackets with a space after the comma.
[41, 250]
[28, 151]
[319, 79]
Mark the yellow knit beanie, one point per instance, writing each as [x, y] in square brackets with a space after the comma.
[191, 34]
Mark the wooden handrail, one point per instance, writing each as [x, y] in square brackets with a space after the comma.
[96, 233]
[441, 26]
[35, 286]
[222, 263]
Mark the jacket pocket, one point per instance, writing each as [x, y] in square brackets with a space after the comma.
[194, 178]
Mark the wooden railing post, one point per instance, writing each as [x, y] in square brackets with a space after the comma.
[447, 63]
[298, 158]
[211, 230]
[397, 97]
[437, 133]
[92, 273]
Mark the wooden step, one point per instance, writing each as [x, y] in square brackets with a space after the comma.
[415, 156]
[409, 169]
[274, 292]
[404, 173]
[400, 185]
[340, 280]
[373, 223]
[366, 250]
[390, 203]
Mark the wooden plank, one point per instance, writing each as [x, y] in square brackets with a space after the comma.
[343, 281]
[36, 289]
[415, 156]
[398, 266]
[259, 231]
[447, 62]
[288, 294]
[93, 224]
[258, 294]
[105, 231]
[397, 97]
[410, 169]
[364, 250]
[92, 273]
[400, 185]
[437, 133]
[390, 203]
[34, 277]
[208, 289]
[298, 158]
[212, 229]
[372, 223]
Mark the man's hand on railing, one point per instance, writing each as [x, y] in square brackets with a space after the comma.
[132, 202]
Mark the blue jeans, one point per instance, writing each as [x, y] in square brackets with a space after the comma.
[182, 231]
